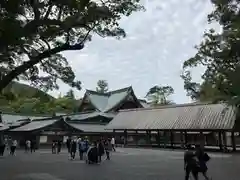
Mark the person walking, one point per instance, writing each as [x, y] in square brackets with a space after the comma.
[54, 145]
[190, 164]
[107, 147]
[73, 149]
[81, 148]
[28, 146]
[203, 158]
[100, 150]
[68, 143]
[33, 146]
[113, 143]
[86, 144]
[59, 146]
[13, 147]
[2, 147]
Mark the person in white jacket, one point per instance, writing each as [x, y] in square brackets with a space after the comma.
[13, 147]
[113, 143]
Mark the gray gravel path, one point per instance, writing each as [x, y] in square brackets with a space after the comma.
[126, 164]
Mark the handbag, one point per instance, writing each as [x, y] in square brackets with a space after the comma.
[206, 157]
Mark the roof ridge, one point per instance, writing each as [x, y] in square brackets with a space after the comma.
[95, 92]
[170, 106]
[25, 114]
[120, 90]
[109, 92]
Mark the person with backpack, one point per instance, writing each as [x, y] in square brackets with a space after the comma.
[190, 164]
[203, 158]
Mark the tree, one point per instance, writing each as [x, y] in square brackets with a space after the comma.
[102, 86]
[219, 52]
[34, 32]
[158, 95]
[70, 94]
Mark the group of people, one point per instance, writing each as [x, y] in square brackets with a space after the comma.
[195, 162]
[30, 146]
[92, 152]
[8, 144]
[56, 146]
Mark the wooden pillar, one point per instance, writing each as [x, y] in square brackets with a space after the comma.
[181, 139]
[165, 138]
[172, 139]
[185, 138]
[201, 140]
[158, 138]
[206, 139]
[233, 141]
[150, 137]
[224, 140]
[125, 138]
[136, 138]
[220, 140]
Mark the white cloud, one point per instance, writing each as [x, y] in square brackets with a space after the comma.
[158, 42]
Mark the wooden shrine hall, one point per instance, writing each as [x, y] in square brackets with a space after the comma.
[215, 125]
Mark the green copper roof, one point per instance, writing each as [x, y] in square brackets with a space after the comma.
[99, 101]
[104, 102]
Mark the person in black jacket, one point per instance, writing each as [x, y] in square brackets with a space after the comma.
[68, 143]
[33, 146]
[100, 150]
[2, 146]
[73, 149]
[203, 158]
[190, 164]
[59, 146]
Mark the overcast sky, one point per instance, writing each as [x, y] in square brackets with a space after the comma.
[158, 41]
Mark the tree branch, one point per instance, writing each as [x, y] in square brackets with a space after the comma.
[5, 80]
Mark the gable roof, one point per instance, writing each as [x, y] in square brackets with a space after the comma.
[105, 102]
[90, 128]
[177, 117]
[11, 118]
[35, 125]
[83, 116]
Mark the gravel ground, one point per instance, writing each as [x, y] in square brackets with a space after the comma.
[125, 164]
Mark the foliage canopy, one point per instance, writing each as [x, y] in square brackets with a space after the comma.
[158, 95]
[219, 52]
[34, 32]
[102, 86]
